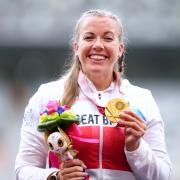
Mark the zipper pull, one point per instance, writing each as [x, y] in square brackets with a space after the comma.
[99, 95]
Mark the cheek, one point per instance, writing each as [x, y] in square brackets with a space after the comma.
[114, 53]
[83, 51]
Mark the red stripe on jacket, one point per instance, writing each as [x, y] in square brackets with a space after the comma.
[113, 156]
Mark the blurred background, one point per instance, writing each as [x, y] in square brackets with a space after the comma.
[35, 38]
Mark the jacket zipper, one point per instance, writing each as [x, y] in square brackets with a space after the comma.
[100, 146]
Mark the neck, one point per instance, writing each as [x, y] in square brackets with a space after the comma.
[101, 82]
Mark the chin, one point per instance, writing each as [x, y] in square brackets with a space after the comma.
[97, 70]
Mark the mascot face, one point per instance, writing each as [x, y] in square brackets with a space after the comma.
[57, 143]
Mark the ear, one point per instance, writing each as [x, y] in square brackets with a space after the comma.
[121, 49]
[66, 137]
[75, 47]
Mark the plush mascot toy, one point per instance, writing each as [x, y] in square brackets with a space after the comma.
[60, 143]
[55, 121]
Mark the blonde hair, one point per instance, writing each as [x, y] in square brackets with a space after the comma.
[71, 87]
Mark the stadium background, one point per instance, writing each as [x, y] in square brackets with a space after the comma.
[35, 38]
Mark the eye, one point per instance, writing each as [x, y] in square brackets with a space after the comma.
[88, 38]
[50, 146]
[108, 39]
[60, 143]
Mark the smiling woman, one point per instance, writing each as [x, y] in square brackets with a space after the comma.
[98, 49]
[132, 147]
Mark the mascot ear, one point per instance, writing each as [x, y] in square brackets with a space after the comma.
[67, 139]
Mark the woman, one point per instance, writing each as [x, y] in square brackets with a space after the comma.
[136, 151]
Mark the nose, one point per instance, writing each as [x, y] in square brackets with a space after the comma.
[98, 44]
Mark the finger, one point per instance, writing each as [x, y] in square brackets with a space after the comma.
[135, 133]
[73, 162]
[133, 114]
[72, 169]
[128, 118]
[78, 178]
[71, 175]
[120, 125]
[132, 125]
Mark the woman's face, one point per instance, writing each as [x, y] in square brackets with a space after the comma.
[98, 46]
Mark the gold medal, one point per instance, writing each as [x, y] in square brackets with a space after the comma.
[114, 107]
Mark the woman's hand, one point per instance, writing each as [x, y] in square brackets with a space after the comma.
[134, 129]
[72, 169]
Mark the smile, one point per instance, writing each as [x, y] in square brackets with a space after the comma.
[97, 57]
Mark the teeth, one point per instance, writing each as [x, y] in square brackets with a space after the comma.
[98, 57]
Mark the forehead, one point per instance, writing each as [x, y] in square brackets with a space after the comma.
[99, 24]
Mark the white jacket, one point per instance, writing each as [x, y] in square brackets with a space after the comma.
[108, 159]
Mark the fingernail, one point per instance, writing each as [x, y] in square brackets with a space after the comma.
[121, 114]
[84, 166]
[120, 123]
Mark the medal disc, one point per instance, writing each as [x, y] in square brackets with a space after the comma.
[114, 107]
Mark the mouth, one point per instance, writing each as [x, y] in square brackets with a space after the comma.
[97, 57]
[58, 150]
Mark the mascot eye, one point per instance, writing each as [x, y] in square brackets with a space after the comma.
[60, 143]
[50, 146]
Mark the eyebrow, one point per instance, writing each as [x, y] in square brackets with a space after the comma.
[108, 32]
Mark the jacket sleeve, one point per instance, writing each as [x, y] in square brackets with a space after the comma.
[32, 155]
[150, 160]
